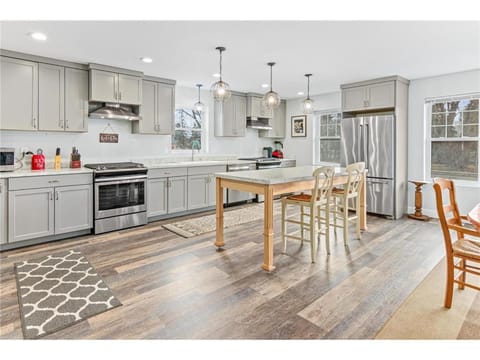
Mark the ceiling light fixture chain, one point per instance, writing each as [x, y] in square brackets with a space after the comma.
[199, 106]
[308, 103]
[220, 89]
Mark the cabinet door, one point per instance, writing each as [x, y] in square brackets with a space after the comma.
[157, 196]
[265, 112]
[280, 116]
[30, 214]
[198, 191]
[129, 89]
[148, 123]
[177, 194]
[354, 98]
[240, 104]
[381, 95]
[3, 211]
[73, 208]
[76, 100]
[51, 97]
[103, 86]
[165, 108]
[19, 94]
[254, 106]
[224, 117]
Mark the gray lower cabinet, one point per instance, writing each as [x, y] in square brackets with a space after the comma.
[177, 194]
[73, 208]
[157, 194]
[3, 211]
[157, 110]
[40, 206]
[30, 214]
[198, 191]
[166, 191]
[230, 116]
[19, 95]
[278, 123]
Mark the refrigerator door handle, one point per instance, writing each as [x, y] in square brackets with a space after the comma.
[361, 144]
[367, 146]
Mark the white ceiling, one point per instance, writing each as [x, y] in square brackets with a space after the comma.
[336, 52]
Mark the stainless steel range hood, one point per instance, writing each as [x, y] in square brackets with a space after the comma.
[258, 123]
[114, 111]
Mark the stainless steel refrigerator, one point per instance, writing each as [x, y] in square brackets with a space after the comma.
[371, 139]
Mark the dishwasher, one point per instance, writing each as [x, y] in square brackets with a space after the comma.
[235, 196]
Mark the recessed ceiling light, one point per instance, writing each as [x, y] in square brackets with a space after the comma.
[216, 75]
[300, 93]
[38, 36]
[146, 60]
[265, 86]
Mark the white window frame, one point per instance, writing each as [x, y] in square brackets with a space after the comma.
[204, 133]
[317, 138]
[428, 132]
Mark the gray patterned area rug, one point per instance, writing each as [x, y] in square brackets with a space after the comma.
[203, 224]
[59, 290]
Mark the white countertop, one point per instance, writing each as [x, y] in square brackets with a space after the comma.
[276, 175]
[27, 172]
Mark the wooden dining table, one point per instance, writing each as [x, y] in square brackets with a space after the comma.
[269, 183]
[474, 217]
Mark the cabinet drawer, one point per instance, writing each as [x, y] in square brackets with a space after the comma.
[206, 170]
[166, 172]
[43, 181]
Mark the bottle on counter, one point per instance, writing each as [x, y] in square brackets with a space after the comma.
[58, 159]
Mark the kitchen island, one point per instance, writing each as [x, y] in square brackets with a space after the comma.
[269, 183]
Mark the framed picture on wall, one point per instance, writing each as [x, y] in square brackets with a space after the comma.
[299, 126]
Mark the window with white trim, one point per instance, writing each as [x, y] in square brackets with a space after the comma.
[328, 136]
[189, 129]
[454, 139]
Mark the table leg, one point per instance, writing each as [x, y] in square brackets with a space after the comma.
[219, 214]
[363, 204]
[268, 230]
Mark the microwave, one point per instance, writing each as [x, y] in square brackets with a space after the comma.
[7, 159]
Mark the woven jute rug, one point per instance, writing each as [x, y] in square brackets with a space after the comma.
[204, 224]
[59, 290]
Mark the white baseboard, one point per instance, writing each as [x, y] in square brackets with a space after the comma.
[429, 212]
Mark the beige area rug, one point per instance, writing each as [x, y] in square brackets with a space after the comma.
[422, 315]
[204, 224]
[57, 291]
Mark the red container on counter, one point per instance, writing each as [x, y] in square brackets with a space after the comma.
[38, 160]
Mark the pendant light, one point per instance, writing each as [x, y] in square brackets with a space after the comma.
[308, 103]
[271, 99]
[220, 89]
[199, 106]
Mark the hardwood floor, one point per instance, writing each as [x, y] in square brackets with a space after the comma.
[177, 288]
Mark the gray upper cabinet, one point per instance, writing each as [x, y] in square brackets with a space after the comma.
[278, 123]
[368, 97]
[255, 108]
[76, 100]
[63, 99]
[51, 97]
[111, 87]
[129, 89]
[230, 116]
[19, 94]
[157, 110]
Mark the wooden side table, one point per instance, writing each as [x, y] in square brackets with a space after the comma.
[418, 201]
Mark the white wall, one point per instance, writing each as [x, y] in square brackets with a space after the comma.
[133, 146]
[419, 90]
[301, 148]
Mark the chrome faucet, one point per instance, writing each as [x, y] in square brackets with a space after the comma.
[195, 143]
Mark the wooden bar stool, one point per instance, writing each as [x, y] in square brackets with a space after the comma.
[317, 202]
[341, 197]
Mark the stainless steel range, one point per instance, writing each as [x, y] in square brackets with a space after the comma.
[120, 195]
[265, 162]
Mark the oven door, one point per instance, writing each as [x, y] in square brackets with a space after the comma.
[120, 195]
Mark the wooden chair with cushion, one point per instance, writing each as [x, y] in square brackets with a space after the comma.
[340, 199]
[315, 203]
[460, 253]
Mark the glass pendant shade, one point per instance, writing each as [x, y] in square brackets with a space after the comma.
[220, 90]
[199, 106]
[271, 99]
[308, 103]
[307, 106]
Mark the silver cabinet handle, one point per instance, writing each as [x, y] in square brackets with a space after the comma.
[60, 123]
[53, 181]
[56, 195]
[66, 124]
[115, 95]
[1, 189]
[34, 123]
[51, 196]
